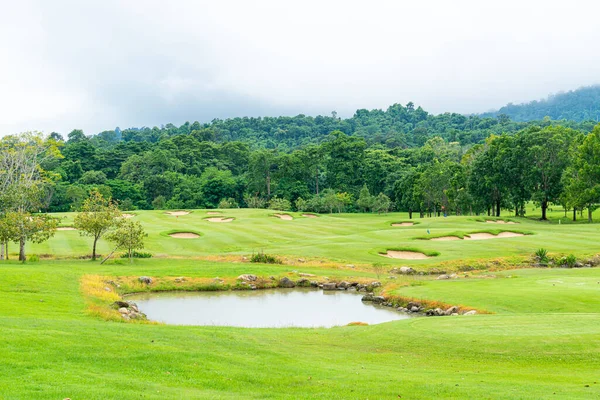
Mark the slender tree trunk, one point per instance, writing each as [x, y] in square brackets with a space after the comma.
[409, 213]
[22, 250]
[589, 214]
[489, 211]
[544, 208]
[2, 251]
[317, 180]
[94, 249]
[498, 208]
[6, 249]
[269, 185]
[574, 214]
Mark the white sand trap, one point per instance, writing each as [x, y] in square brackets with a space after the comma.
[309, 215]
[284, 216]
[405, 255]
[484, 236]
[127, 215]
[184, 235]
[213, 213]
[446, 238]
[219, 219]
[65, 228]
[404, 224]
[177, 213]
[509, 234]
[499, 222]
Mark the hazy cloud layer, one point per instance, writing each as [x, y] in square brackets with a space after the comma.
[100, 64]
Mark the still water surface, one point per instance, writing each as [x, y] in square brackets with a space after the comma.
[274, 308]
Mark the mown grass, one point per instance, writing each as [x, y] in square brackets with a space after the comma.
[339, 238]
[535, 346]
[60, 338]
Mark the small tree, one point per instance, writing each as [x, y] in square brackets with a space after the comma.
[365, 201]
[382, 203]
[29, 228]
[378, 269]
[7, 233]
[128, 236]
[97, 216]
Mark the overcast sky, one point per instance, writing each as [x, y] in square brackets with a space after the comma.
[96, 65]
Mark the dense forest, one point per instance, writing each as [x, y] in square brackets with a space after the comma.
[575, 105]
[400, 159]
[403, 158]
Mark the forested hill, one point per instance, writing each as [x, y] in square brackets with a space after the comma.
[398, 126]
[576, 105]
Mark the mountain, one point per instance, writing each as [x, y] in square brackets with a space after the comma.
[577, 105]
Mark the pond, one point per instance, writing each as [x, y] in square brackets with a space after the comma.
[272, 308]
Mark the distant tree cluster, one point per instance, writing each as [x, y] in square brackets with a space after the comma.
[578, 105]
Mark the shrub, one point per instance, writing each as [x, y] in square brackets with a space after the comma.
[280, 204]
[541, 255]
[263, 258]
[228, 203]
[379, 269]
[137, 254]
[33, 258]
[254, 201]
[569, 261]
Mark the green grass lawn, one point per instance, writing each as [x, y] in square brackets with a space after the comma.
[351, 238]
[541, 340]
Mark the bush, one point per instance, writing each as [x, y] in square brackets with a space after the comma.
[263, 258]
[541, 256]
[280, 204]
[227, 203]
[254, 201]
[33, 258]
[137, 254]
[568, 261]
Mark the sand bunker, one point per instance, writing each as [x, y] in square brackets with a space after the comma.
[213, 213]
[65, 228]
[184, 235]
[127, 215]
[177, 213]
[446, 238]
[499, 222]
[484, 236]
[403, 224]
[284, 216]
[404, 255]
[309, 215]
[219, 219]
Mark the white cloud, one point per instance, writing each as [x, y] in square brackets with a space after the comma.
[100, 64]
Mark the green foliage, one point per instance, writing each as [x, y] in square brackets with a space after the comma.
[137, 254]
[280, 204]
[541, 255]
[228, 203]
[263, 258]
[129, 236]
[568, 261]
[98, 215]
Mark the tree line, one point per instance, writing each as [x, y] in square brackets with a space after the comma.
[546, 162]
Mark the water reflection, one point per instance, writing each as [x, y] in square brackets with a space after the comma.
[263, 308]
